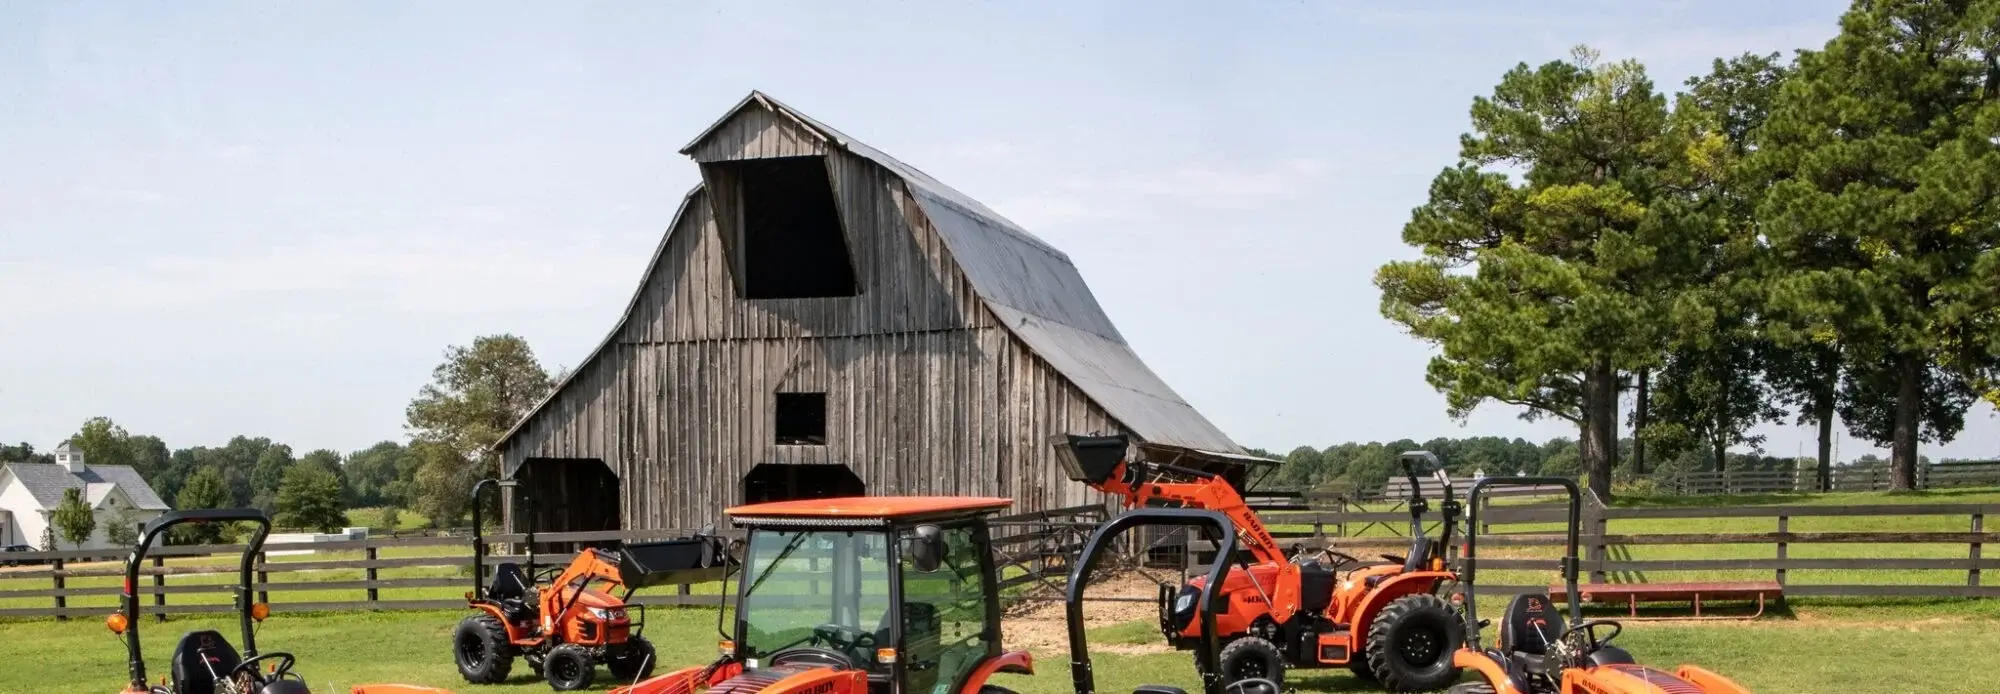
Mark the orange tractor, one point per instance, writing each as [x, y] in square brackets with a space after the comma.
[1537, 653]
[895, 595]
[1385, 622]
[204, 662]
[565, 620]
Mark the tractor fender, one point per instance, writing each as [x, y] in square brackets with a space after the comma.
[821, 680]
[681, 681]
[1708, 681]
[1391, 588]
[1011, 662]
[515, 635]
[1485, 668]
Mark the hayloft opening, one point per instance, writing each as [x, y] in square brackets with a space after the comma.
[801, 419]
[778, 482]
[793, 246]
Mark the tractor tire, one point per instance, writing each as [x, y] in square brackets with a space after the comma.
[631, 662]
[569, 668]
[480, 647]
[1411, 641]
[1470, 688]
[1251, 657]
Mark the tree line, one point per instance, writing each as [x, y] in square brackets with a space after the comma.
[1797, 239]
[476, 394]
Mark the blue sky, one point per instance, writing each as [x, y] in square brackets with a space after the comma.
[271, 219]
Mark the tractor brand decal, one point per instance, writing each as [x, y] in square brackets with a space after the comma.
[821, 688]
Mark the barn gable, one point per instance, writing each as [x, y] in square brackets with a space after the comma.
[965, 329]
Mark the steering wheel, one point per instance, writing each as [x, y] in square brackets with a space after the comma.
[285, 661]
[1252, 685]
[814, 655]
[1588, 628]
[843, 637]
[1329, 556]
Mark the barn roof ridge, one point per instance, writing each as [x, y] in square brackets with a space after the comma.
[1032, 287]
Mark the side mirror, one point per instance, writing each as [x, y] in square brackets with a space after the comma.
[927, 548]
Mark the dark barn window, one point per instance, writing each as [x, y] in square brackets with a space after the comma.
[793, 247]
[801, 419]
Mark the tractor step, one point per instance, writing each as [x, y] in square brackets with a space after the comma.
[1334, 647]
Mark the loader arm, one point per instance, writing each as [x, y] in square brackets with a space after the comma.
[1206, 491]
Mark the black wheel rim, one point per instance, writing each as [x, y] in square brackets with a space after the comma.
[566, 670]
[471, 650]
[1248, 668]
[1420, 647]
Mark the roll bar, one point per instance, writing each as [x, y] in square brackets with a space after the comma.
[1469, 567]
[479, 535]
[1206, 650]
[129, 600]
[1416, 464]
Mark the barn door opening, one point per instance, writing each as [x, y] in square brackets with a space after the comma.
[570, 495]
[778, 482]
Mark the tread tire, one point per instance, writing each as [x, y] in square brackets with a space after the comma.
[482, 652]
[634, 661]
[1419, 615]
[569, 668]
[1254, 652]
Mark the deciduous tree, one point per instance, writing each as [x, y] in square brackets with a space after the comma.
[205, 489]
[310, 497]
[73, 518]
[476, 395]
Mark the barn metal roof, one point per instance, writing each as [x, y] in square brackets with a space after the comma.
[1033, 289]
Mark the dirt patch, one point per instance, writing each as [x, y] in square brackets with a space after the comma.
[1039, 626]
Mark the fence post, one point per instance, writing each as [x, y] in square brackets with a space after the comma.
[1594, 519]
[62, 603]
[1784, 527]
[263, 580]
[1972, 574]
[370, 553]
[159, 588]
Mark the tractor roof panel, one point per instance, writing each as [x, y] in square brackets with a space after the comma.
[868, 507]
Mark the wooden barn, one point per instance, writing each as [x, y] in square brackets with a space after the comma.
[823, 319]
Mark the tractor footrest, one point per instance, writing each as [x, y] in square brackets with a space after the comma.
[1334, 648]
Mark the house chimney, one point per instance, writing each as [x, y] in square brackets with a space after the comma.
[70, 457]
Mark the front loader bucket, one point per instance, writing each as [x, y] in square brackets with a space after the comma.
[697, 559]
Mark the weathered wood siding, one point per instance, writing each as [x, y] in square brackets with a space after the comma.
[757, 133]
[926, 393]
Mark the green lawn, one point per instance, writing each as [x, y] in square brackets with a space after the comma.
[1822, 649]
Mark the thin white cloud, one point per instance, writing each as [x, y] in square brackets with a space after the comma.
[1142, 194]
[982, 150]
[331, 276]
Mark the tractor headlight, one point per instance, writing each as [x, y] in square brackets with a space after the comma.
[608, 614]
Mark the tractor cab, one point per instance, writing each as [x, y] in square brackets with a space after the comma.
[894, 594]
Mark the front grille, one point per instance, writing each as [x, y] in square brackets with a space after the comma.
[753, 681]
[1666, 681]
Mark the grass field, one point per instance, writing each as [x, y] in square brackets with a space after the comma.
[1930, 648]
[1809, 646]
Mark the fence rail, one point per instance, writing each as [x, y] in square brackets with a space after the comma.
[1844, 478]
[1608, 554]
[86, 583]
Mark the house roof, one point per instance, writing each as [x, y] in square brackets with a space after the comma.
[46, 483]
[1029, 285]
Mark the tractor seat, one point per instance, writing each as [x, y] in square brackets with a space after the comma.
[1532, 622]
[201, 658]
[510, 589]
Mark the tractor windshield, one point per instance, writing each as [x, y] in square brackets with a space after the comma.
[824, 588]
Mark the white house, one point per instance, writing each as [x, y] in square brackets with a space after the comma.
[30, 493]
